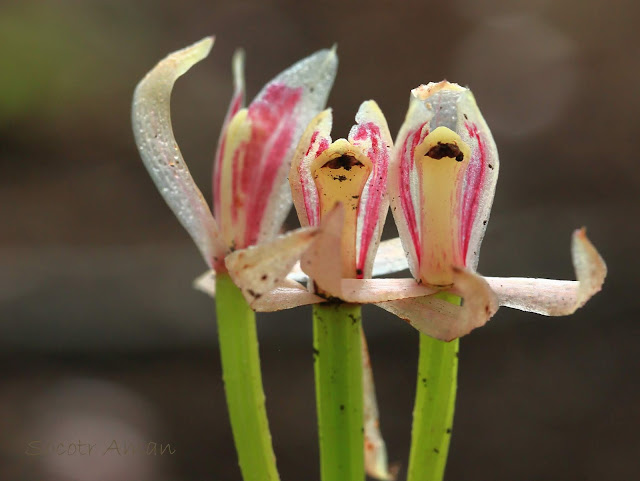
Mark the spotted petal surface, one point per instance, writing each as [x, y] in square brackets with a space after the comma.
[161, 155]
[259, 269]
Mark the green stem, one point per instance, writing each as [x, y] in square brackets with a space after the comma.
[339, 398]
[243, 383]
[433, 409]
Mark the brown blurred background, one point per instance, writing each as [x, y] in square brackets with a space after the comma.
[102, 337]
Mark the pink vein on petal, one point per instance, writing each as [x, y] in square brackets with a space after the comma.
[236, 105]
[411, 141]
[313, 215]
[474, 180]
[379, 155]
[272, 127]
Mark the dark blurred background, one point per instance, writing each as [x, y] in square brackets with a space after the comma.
[102, 337]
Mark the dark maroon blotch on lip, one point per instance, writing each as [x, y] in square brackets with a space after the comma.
[343, 162]
[445, 150]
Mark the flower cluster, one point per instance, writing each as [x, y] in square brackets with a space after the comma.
[439, 179]
[442, 174]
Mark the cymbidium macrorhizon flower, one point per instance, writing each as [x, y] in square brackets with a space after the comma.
[442, 177]
[340, 184]
[251, 195]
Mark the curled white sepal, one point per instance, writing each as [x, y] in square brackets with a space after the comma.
[552, 297]
[436, 317]
[161, 155]
[259, 269]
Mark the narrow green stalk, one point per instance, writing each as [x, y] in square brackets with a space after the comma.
[339, 401]
[243, 383]
[433, 409]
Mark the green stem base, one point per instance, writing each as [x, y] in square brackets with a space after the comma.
[339, 396]
[243, 383]
[433, 409]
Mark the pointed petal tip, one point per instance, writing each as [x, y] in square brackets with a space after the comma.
[327, 57]
[325, 116]
[206, 282]
[590, 267]
[208, 42]
[201, 48]
[237, 62]
[239, 53]
[237, 67]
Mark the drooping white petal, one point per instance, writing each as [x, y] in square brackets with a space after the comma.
[315, 140]
[375, 451]
[435, 317]
[371, 135]
[161, 155]
[554, 297]
[258, 269]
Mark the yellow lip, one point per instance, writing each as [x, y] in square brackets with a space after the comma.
[340, 174]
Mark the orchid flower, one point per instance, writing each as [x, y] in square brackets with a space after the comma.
[442, 180]
[251, 196]
[442, 177]
[339, 187]
[251, 200]
[351, 174]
